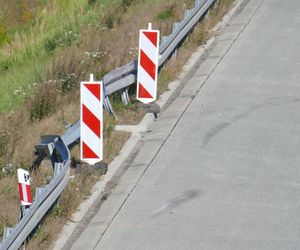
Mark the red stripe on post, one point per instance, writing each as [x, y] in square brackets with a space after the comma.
[28, 193]
[143, 93]
[94, 89]
[152, 36]
[91, 120]
[87, 152]
[21, 192]
[147, 64]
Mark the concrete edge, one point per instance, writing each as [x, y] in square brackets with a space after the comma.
[97, 190]
[136, 130]
[145, 124]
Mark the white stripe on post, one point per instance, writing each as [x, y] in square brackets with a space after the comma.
[24, 187]
[149, 48]
[91, 102]
[91, 121]
[146, 80]
[147, 65]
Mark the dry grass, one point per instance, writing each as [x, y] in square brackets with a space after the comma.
[9, 210]
[20, 130]
[201, 33]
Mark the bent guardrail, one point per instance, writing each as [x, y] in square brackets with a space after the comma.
[57, 150]
[57, 147]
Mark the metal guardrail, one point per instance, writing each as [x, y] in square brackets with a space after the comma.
[123, 77]
[57, 147]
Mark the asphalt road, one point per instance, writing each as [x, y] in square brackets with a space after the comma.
[221, 167]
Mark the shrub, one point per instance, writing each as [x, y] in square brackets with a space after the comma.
[60, 39]
[167, 13]
[68, 82]
[44, 102]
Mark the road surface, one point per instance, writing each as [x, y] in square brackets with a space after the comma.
[221, 167]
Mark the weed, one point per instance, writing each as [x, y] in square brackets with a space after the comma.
[201, 33]
[60, 39]
[3, 144]
[164, 77]
[127, 3]
[50, 44]
[91, 2]
[68, 81]
[8, 170]
[44, 103]
[4, 37]
[109, 21]
[167, 13]
[45, 108]
[56, 211]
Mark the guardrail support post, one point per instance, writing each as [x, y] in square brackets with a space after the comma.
[175, 26]
[107, 105]
[57, 168]
[47, 148]
[187, 13]
[197, 2]
[125, 97]
[38, 191]
[174, 54]
[7, 231]
[17, 235]
[164, 39]
[23, 210]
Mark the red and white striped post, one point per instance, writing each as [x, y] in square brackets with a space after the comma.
[91, 121]
[147, 65]
[24, 187]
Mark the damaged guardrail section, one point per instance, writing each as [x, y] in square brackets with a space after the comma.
[57, 147]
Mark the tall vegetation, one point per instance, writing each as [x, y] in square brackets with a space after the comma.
[46, 48]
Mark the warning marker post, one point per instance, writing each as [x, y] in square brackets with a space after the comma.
[147, 65]
[91, 121]
[24, 188]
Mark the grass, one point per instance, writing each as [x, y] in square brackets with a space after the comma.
[54, 28]
[36, 87]
[37, 52]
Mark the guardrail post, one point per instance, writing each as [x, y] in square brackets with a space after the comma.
[107, 106]
[174, 54]
[7, 231]
[38, 191]
[51, 146]
[57, 168]
[125, 97]
[197, 2]
[187, 13]
[164, 39]
[23, 209]
[48, 148]
[175, 26]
